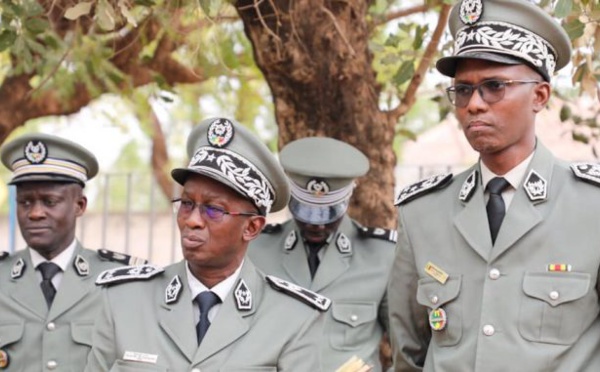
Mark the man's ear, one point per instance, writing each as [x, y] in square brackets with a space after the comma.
[541, 96]
[253, 227]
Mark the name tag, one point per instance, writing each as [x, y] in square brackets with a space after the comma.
[436, 273]
[135, 356]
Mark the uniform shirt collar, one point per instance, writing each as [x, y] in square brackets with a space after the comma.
[514, 176]
[62, 260]
[222, 289]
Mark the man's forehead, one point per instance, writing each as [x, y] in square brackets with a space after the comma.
[45, 187]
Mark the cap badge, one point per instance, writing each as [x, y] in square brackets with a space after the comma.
[317, 186]
[243, 296]
[81, 266]
[36, 152]
[290, 241]
[220, 133]
[536, 186]
[438, 319]
[468, 187]
[471, 11]
[173, 290]
[17, 269]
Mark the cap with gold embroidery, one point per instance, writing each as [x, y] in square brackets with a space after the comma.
[506, 31]
[322, 173]
[227, 152]
[42, 157]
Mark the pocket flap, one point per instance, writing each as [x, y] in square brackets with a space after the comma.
[556, 288]
[354, 314]
[82, 333]
[11, 333]
[434, 294]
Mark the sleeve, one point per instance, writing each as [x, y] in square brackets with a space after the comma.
[409, 331]
[303, 352]
[103, 353]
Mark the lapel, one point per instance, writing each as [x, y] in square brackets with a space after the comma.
[523, 214]
[177, 319]
[26, 290]
[295, 260]
[72, 287]
[471, 221]
[334, 262]
[230, 323]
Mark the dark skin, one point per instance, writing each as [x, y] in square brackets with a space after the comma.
[47, 213]
[317, 234]
[502, 132]
[214, 250]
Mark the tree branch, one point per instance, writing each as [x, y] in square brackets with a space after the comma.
[398, 14]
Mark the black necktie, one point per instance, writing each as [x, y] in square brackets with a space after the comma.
[313, 258]
[495, 206]
[205, 300]
[48, 270]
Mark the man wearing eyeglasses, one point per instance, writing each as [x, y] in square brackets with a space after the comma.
[213, 311]
[496, 268]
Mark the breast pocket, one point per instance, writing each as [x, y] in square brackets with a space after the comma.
[435, 295]
[353, 324]
[11, 333]
[126, 366]
[556, 307]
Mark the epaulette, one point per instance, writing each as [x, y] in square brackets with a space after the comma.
[125, 259]
[311, 298]
[588, 172]
[389, 235]
[4, 255]
[128, 274]
[272, 228]
[423, 187]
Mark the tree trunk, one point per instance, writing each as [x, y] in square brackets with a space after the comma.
[314, 54]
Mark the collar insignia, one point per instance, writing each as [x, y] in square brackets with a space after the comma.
[243, 296]
[81, 266]
[173, 290]
[317, 187]
[290, 241]
[588, 172]
[468, 187]
[18, 269]
[471, 11]
[220, 133]
[36, 152]
[311, 298]
[343, 243]
[536, 186]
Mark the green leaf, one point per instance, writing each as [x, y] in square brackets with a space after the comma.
[147, 3]
[392, 41]
[419, 33]
[37, 25]
[565, 113]
[105, 14]
[7, 39]
[580, 137]
[407, 133]
[390, 59]
[405, 72]
[78, 10]
[563, 8]
[574, 29]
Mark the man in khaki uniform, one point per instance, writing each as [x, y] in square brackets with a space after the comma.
[213, 311]
[48, 300]
[323, 249]
[497, 268]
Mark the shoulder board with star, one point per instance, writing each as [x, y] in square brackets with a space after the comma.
[125, 259]
[272, 228]
[588, 172]
[310, 298]
[423, 187]
[4, 255]
[389, 235]
[128, 274]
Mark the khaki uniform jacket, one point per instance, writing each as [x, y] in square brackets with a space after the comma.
[277, 333]
[354, 277]
[37, 338]
[505, 310]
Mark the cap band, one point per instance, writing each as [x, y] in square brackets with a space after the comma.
[321, 199]
[23, 167]
[505, 38]
[317, 215]
[239, 172]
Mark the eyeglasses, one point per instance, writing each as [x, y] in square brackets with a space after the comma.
[186, 207]
[491, 91]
